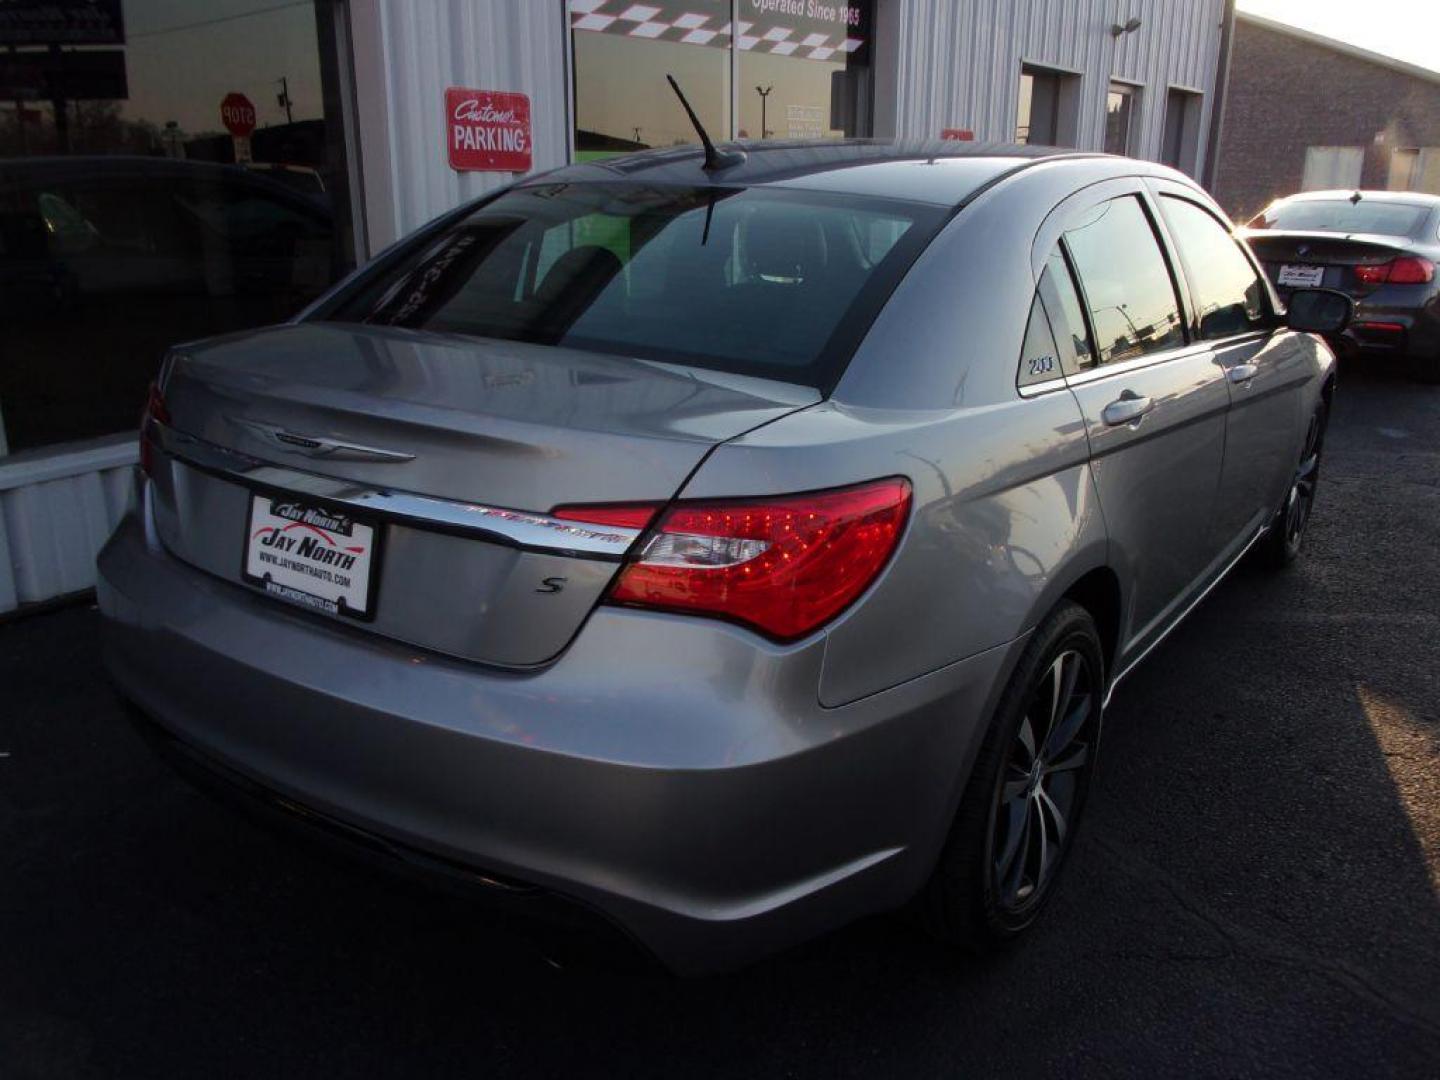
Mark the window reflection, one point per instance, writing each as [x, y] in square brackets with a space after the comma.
[131, 218]
[1119, 105]
[622, 102]
[1126, 281]
[805, 76]
[802, 74]
[1227, 290]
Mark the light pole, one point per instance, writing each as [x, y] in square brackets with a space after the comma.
[283, 99]
[764, 92]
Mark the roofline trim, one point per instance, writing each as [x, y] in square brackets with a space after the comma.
[1404, 67]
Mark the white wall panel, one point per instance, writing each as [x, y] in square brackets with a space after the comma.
[959, 62]
[56, 510]
[406, 53]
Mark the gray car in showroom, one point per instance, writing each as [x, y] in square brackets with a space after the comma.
[730, 544]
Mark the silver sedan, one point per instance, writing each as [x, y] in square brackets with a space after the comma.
[730, 546]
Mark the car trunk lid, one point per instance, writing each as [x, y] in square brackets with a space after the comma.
[1335, 255]
[450, 454]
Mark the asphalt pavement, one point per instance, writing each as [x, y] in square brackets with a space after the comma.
[1256, 890]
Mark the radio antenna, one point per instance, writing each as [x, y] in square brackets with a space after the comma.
[715, 160]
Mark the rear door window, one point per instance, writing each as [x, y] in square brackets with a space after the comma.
[1126, 281]
[1229, 296]
[1067, 317]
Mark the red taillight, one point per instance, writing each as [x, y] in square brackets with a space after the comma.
[154, 410]
[617, 515]
[784, 565]
[1405, 270]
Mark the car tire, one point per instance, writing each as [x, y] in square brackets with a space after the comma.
[996, 874]
[1281, 544]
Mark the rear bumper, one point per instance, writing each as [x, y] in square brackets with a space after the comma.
[677, 775]
[1387, 323]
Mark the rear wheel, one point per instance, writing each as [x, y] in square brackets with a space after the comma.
[1281, 544]
[1017, 818]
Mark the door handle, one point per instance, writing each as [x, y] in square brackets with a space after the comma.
[1128, 408]
[1241, 373]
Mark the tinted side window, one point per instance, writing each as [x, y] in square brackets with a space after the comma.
[1056, 342]
[1228, 294]
[1126, 281]
[1067, 318]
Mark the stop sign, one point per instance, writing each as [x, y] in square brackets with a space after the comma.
[238, 115]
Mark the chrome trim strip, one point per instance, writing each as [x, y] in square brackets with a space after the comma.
[1036, 389]
[1182, 352]
[515, 528]
[1133, 664]
[1105, 371]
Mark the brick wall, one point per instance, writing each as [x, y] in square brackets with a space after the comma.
[1287, 93]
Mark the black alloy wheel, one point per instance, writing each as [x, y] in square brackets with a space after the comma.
[1044, 783]
[1022, 803]
[1287, 531]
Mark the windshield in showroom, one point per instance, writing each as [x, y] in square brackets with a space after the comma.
[1343, 216]
[754, 281]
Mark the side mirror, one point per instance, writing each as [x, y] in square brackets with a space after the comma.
[1319, 311]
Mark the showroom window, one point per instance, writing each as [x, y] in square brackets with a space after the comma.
[752, 69]
[168, 171]
[1120, 108]
[1181, 142]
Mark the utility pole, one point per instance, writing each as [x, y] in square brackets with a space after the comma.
[283, 99]
[764, 93]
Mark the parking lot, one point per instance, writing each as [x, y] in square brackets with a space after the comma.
[1257, 890]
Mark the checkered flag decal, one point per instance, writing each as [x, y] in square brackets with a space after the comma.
[672, 22]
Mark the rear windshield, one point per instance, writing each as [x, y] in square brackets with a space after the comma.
[1343, 216]
[749, 280]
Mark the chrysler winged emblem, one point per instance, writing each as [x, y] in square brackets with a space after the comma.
[298, 442]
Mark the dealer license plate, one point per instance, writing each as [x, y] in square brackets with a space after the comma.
[1301, 277]
[311, 555]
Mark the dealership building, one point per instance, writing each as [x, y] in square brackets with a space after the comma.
[170, 170]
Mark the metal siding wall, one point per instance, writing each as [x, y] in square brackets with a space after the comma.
[959, 61]
[55, 513]
[408, 52]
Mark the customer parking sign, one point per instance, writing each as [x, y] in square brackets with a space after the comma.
[487, 130]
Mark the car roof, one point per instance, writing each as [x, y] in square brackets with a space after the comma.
[105, 167]
[1409, 198]
[942, 172]
[92, 165]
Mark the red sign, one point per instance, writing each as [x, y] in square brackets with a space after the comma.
[487, 130]
[238, 115]
[957, 134]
